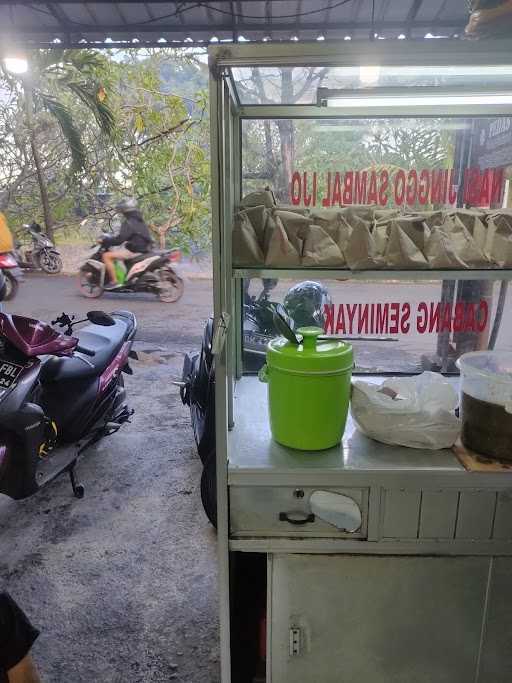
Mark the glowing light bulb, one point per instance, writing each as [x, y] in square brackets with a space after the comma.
[369, 74]
[16, 65]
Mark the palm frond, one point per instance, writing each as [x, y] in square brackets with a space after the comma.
[84, 61]
[70, 132]
[78, 59]
[89, 96]
[47, 58]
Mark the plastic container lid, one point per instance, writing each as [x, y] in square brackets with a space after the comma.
[487, 375]
[312, 355]
[490, 364]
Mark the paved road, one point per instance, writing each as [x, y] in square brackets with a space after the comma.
[122, 583]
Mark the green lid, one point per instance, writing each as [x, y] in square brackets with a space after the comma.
[312, 355]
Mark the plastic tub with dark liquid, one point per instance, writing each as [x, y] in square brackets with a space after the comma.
[486, 403]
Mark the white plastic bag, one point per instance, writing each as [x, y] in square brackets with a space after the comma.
[407, 411]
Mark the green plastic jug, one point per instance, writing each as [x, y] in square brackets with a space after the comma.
[308, 390]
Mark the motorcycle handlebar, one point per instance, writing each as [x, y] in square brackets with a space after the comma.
[85, 351]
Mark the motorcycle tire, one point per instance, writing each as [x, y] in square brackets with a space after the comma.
[11, 288]
[50, 263]
[171, 286]
[89, 288]
[198, 392]
[209, 488]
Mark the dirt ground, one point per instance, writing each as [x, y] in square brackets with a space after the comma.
[122, 584]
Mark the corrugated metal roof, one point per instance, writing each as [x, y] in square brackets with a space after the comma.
[74, 22]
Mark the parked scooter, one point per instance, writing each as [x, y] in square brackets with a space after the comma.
[42, 254]
[145, 273]
[13, 275]
[59, 394]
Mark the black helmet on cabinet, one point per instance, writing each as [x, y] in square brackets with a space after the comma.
[305, 303]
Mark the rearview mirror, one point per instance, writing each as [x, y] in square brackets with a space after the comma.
[101, 318]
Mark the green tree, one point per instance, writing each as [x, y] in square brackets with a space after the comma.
[157, 149]
[58, 81]
[162, 156]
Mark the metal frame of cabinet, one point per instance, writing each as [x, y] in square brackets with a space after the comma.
[413, 507]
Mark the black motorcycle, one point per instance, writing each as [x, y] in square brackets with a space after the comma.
[145, 273]
[41, 255]
[59, 394]
[305, 302]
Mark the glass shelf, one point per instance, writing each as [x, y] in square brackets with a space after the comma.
[345, 274]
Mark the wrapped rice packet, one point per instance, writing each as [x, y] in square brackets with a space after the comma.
[246, 248]
[439, 251]
[320, 249]
[361, 252]
[476, 228]
[335, 225]
[296, 226]
[265, 197]
[415, 228]
[258, 215]
[430, 218]
[468, 216]
[463, 243]
[380, 233]
[302, 210]
[369, 236]
[279, 251]
[499, 226]
[403, 251]
[385, 215]
[324, 217]
[340, 235]
[366, 212]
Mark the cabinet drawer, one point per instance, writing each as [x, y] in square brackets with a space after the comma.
[287, 511]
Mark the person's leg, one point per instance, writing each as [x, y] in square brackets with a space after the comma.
[121, 254]
[108, 258]
[24, 672]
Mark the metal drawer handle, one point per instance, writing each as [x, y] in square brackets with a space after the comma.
[295, 519]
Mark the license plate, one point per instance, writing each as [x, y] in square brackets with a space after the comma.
[9, 373]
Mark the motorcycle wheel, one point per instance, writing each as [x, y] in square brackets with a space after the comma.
[88, 284]
[50, 263]
[171, 286]
[209, 488]
[11, 287]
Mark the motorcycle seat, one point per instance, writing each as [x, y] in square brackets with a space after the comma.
[104, 341]
[128, 318]
[142, 257]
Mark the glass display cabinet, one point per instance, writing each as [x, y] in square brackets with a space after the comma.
[387, 165]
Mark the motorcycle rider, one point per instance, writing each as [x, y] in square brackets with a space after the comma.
[134, 238]
[6, 240]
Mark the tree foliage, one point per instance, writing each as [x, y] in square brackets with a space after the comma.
[108, 125]
[273, 149]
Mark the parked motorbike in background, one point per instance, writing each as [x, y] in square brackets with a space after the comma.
[59, 394]
[13, 275]
[41, 254]
[152, 272]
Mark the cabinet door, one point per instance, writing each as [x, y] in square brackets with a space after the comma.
[496, 660]
[354, 619]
